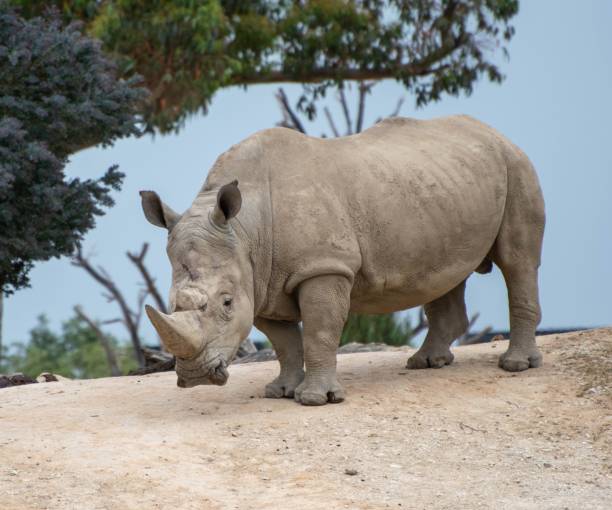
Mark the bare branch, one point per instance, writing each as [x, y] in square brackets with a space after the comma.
[476, 338]
[288, 112]
[398, 107]
[364, 89]
[111, 321]
[138, 261]
[106, 345]
[332, 124]
[140, 306]
[104, 279]
[473, 338]
[345, 110]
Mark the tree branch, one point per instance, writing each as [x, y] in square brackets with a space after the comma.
[364, 88]
[104, 279]
[420, 68]
[288, 112]
[106, 345]
[138, 261]
[332, 124]
[398, 107]
[345, 110]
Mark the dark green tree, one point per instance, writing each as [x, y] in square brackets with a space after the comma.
[59, 93]
[186, 50]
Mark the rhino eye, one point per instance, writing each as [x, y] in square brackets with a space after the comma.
[227, 302]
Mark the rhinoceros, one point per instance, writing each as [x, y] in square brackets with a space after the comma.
[289, 228]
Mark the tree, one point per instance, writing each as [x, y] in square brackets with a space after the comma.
[75, 352]
[59, 94]
[186, 50]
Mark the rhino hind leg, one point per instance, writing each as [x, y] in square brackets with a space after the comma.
[286, 338]
[448, 320]
[324, 305]
[517, 252]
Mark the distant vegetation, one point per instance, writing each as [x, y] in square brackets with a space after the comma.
[74, 352]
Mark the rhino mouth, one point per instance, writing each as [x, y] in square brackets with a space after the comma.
[217, 375]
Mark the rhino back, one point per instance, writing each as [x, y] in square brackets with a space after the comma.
[406, 210]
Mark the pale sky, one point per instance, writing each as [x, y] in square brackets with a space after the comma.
[555, 104]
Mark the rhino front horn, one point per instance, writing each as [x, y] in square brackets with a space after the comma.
[181, 332]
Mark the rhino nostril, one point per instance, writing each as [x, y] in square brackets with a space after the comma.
[221, 369]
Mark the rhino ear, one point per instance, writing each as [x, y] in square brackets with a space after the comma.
[156, 212]
[229, 200]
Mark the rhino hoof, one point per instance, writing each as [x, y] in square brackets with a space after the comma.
[284, 386]
[517, 361]
[429, 360]
[318, 393]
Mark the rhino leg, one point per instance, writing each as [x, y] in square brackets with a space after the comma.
[286, 338]
[324, 305]
[522, 352]
[447, 320]
[517, 251]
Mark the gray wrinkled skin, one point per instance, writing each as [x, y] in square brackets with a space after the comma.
[395, 217]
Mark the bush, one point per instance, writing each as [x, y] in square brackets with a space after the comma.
[387, 328]
[59, 94]
[75, 352]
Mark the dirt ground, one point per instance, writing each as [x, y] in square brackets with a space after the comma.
[465, 436]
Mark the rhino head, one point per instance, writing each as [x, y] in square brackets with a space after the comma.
[211, 298]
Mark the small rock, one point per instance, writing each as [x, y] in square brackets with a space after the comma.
[350, 472]
[47, 377]
[16, 379]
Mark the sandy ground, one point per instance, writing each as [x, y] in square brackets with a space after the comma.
[466, 436]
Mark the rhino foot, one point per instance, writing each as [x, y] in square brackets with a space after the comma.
[284, 385]
[430, 359]
[517, 360]
[317, 391]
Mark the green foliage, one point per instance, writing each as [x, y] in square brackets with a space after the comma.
[188, 49]
[387, 328]
[59, 94]
[75, 353]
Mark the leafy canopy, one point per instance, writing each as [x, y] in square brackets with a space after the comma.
[59, 94]
[187, 49]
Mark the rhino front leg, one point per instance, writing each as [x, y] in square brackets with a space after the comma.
[324, 304]
[286, 338]
[447, 321]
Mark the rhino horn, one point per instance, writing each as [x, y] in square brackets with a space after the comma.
[181, 332]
